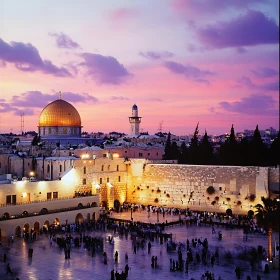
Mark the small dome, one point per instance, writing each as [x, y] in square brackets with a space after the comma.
[59, 113]
[134, 107]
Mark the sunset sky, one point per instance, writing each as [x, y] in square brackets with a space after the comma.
[181, 61]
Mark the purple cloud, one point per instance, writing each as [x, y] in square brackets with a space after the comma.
[252, 105]
[26, 57]
[121, 98]
[241, 50]
[190, 72]
[8, 108]
[265, 72]
[156, 55]
[104, 69]
[26, 99]
[64, 41]
[246, 81]
[202, 7]
[251, 29]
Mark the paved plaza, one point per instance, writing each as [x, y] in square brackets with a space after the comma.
[48, 262]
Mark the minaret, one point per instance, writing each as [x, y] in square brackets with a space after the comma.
[134, 121]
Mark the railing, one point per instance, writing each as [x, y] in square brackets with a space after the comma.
[44, 200]
[28, 215]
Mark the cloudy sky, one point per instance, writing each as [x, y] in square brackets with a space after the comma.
[181, 61]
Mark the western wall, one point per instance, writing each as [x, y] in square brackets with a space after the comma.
[239, 188]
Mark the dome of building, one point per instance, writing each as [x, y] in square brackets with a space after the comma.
[59, 113]
[134, 107]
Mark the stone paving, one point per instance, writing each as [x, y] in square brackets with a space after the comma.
[48, 262]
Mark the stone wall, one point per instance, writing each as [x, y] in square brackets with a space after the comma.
[185, 186]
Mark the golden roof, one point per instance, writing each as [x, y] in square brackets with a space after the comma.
[59, 113]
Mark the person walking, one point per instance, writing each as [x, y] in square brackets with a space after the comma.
[116, 256]
[149, 247]
[5, 257]
[8, 269]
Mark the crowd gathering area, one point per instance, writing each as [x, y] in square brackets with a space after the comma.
[143, 242]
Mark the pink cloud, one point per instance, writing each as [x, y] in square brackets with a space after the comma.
[122, 14]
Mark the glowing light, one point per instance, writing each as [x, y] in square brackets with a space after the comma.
[32, 174]
[24, 194]
[116, 155]
[84, 156]
[20, 183]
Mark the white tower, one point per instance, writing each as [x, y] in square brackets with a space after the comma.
[134, 121]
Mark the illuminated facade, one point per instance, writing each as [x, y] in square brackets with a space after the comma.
[59, 119]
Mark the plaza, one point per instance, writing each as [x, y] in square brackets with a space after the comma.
[48, 262]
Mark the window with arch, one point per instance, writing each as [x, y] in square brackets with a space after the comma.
[85, 170]
[100, 180]
[60, 168]
[84, 181]
[108, 167]
[119, 178]
[102, 167]
[108, 180]
[48, 168]
[117, 168]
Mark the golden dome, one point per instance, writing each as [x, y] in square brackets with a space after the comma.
[59, 113]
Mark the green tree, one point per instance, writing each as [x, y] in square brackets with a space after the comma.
[205, 150]
[244, 151]
[183, 157]
[268, 218]
[174, 151]
[193, 150]
[167, 149]
[257, 149]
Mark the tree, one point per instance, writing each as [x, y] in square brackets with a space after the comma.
[167, 149]
[257, 149]
[193, 150]
[174, 151]
[205, 151]
[183, 157]
[244, 152]
[268, 218]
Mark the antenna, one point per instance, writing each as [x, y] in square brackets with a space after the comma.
[59, 95]
[160, 126]
[22, 123]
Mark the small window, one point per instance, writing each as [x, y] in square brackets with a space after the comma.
[14, 199]
[104, 155]
[100, 181]
[125, 152]
[140, 154]
[0, 164]
[108, 180]
[49, 195]
[60, 168]
[55, 195]
[157, 153]
[148, 154]
[28, 164]
[108, 167]
[119, 178]
[84, 181]
[220, 188]
[117, 168]
[48, 168]
[85, 170]
[102, 167]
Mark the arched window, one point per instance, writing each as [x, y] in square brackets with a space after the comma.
[100, 181]
[102, 167]
[85, 170]
[60, 168]
[117, 168]
[84, 181]
[108, 167]
[108, 180]
[48, 168]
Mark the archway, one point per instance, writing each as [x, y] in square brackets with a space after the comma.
[24, 214]
[94, 204]
[56, 222]
[26, 229]
[46, 226]
[88, 217]
[18, 231]
[80, 206]
[79, 218]
[6, 216]
[37, 227]
[104, 204]
[93, 216]
[44, 211]
[117, 205]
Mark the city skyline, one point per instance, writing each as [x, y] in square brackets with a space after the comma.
[181, 62]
